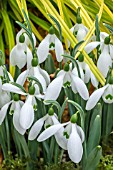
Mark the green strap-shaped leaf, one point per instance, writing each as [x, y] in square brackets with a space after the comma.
[94, 134]
[58, 26]
[93, 159]
[10, 35]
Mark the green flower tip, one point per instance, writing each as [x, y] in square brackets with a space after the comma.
[81, 58]
[16, 97]
[51, 111]
[74, 118]
[66, 67]
[22, 38]
[111, 80]
[34, 61]
[98, 147]
[107, 40]
[31, 90]
[51, 30]
[79, 20]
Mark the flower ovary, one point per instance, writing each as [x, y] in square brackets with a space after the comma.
[32, 90]
[22, 38]
[51, 112]
[16, 97]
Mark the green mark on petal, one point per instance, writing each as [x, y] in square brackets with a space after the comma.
[47, 126]
[66, 135]
[109, 96]
[52, 45]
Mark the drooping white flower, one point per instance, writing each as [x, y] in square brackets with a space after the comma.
[19, 55]
[27, 110]
[48, 120]
[106, 56]
[105, 92]
[66, 75]
[80, 30]
[50, 42]
[15, 108]
[27, 40]
[88, 75]
[74, 136]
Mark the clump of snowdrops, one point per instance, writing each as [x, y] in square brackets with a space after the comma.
[32, 117]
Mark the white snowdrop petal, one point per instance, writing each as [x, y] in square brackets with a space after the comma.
[58, 49]
[45, 75]
[111, 50]
[103, 35]
[94, 81]
[16, 117]
[36, 128]
[81, 34]
[11, 88]
[49, 132]
[80, 87]
[29, 58]
[61, 139]
[80, 132]
[104, 61]
[40, 78]
[22, 77]
[108, 95]
[18, 56]
[27, 114]
[89, 47]
[43, 49]
[54, 88]
[3, 112]
[74, 146]
[5, 97]
[94, 98]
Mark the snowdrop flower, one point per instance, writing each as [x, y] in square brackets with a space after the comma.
[20, 54]
[27, 110]
[87, 72]
[15, 108]
[106, 56]
[37, 72]
[48, 120]
[74, 136]
[4, 96]
[105, 92]
[80, 31]
[50, 42]
[27, 40]
[64, 76]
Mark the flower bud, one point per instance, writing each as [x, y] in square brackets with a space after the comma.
[34, 61]
[16, 97]
[81, 58]
[51, 30]
[66, 67]
[74, 118]
[32, 90]
[51, 111]
[107, 40]
[22, 38]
